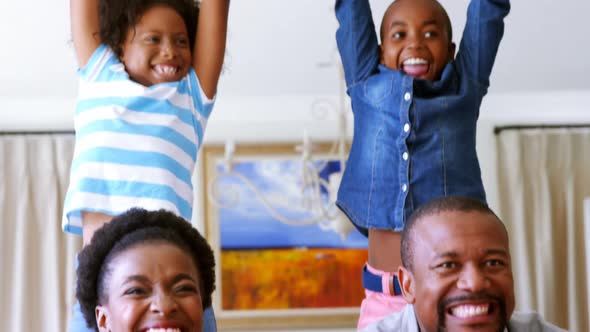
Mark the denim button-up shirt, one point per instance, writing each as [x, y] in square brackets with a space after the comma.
[414, 140]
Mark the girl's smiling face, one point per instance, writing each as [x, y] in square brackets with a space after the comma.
[157, 49]
[151, 287]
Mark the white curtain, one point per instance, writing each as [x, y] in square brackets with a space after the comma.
[544, 177]
[36, 257]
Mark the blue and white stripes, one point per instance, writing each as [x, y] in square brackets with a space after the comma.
[136, 146]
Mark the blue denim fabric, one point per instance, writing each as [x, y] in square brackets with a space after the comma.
[434, 122]
[209, 322]
[77, 322]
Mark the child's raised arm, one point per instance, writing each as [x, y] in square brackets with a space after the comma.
[210, 43]
[356, 40]
[481, 37]
[85, 28]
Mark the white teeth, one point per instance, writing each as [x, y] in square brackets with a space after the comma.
[163, 330]
[415, 61]
[465, 311]
[166, 70]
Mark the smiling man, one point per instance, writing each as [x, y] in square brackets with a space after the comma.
[457, 273]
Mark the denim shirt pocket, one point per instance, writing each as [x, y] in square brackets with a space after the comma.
[377, 88]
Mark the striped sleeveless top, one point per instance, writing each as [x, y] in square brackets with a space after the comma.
[136, 146]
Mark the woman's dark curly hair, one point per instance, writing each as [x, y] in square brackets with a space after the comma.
[118, 16]
[132, 228]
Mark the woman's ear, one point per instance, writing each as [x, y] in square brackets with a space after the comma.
[101, 318]
[406, 280]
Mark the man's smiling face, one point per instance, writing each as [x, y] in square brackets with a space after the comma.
[461, 275]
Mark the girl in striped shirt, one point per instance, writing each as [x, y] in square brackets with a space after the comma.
[148, 78]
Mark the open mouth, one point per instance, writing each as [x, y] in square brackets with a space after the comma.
[166, 71]
[471, 310]
[164, 330]
[480, 315]
[416, 67]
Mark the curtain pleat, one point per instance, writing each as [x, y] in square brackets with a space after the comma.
[544, 178]
[37, 258]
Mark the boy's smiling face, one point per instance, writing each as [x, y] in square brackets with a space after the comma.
[415, 38]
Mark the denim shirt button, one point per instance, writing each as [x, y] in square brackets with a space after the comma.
[405, 188]
[407, 96]
[405, 156]
[406, 127]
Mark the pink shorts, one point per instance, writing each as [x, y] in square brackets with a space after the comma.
[378, 305]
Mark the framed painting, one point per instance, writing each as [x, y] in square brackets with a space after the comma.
[286, 257]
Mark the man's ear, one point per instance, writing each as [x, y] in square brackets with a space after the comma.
[406, 280]
[102, 320]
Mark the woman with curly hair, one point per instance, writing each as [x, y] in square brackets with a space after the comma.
[145, 271]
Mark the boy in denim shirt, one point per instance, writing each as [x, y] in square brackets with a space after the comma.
[415, 109]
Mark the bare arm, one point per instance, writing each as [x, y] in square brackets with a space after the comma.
[210, 43]
[85, 27]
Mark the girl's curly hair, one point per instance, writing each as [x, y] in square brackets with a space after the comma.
[118, 16]
[134, 227]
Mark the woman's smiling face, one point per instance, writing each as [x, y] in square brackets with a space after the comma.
[152, 287]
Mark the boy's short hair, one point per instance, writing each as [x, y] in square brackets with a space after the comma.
[136, 227]
[443, 10]
[118, 16]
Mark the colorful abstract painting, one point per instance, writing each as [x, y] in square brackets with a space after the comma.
[269, 264]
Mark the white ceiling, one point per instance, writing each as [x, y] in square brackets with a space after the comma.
[279, 47]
